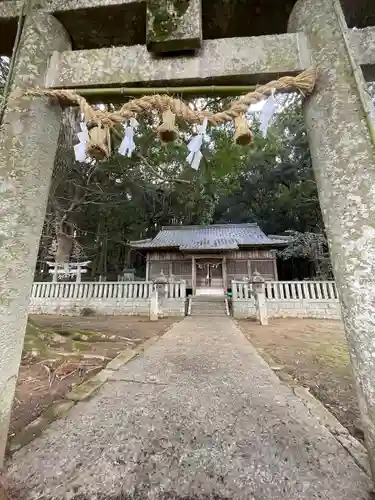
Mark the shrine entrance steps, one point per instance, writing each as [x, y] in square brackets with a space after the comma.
[208, 305]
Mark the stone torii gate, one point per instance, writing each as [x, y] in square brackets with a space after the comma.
[115, 43]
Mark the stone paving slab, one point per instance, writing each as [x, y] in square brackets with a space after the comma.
[199, 415]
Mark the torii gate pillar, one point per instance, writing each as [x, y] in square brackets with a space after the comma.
[28, 143]
[343, 158]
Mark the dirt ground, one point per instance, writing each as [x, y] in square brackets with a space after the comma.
[314, 353]
[60, 352]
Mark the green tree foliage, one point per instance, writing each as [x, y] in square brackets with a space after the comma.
[311, 247]
[275, 185]
[109, 204]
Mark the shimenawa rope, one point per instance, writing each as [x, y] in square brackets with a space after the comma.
[303, 83]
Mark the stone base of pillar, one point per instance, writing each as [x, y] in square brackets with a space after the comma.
[154, 306]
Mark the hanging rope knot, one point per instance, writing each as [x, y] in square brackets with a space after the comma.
[99, 144]
[167, 131]
[243, 136]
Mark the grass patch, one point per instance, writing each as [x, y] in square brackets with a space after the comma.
[315, 354]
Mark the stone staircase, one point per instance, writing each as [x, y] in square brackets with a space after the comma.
[208, 305]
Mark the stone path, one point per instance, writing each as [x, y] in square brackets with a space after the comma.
[198, 416]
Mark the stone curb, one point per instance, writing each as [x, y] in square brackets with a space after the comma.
[343, 436]
[81, 392]
[89, 387]
[355, 449]
[37, 426]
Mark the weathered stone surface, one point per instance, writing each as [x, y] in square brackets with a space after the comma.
[174, 25]
[28, 142]
[154, 306]
[107, 307]
[344, 164]
[198, 415]
[121, 359]
[36, 427]
[103, 375]
[363, 45]
[326, 418]
[10, 8]
[86, 389]
[90, 23]
[323, 309]
[106, 23]
[242, 60]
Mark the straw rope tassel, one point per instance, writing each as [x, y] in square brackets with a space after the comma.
[243, 135]
[167, 131]
[98, 146]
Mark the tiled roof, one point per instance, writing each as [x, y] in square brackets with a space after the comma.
[215, 237]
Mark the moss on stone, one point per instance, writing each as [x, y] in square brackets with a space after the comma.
[165, 17]
[44, 342]
[181, 6]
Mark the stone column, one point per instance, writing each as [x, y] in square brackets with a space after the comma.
[78, 275]
[262, 306]
[225, 273]
[275, 272]
[260, 298]
[193, 275]
[154, 305]
[148, 267]
[55, 273]
[344, 164]
[28, 142]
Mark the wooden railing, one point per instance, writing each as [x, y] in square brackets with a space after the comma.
[105, 290]
[288, 290]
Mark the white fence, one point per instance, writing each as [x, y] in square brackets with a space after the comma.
[314, 299]
[118, 297]
[311, 299]
[105, 290]
[289, 290]
[301, 290]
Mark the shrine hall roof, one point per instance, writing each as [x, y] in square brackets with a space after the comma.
[214, 237]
